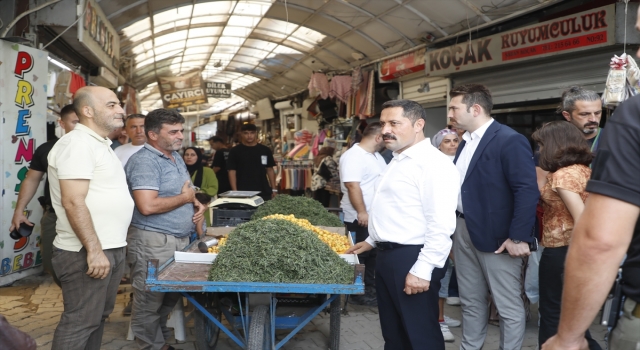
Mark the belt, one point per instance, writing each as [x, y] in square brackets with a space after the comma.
[391, 245]
[636, 311]
[459, 214]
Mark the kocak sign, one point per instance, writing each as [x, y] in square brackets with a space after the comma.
[580, 31]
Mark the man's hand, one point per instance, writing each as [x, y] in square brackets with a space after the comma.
[188, 191]
[359, 248]
[99, 265]
[363, 219]
[274, 194]
[18, 218]
[200, 209]
[414, 284]
[556, 343]
[515, 250]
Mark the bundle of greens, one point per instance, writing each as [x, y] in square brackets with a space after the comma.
[276, 250]
[301, 208]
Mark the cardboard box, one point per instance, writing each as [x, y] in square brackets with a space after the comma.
[219, 231]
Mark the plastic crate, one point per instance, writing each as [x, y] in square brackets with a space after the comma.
[230, 217]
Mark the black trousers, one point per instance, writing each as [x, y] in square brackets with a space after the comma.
[408, 322]
[368, 259]
[551, 276]
[323, 196]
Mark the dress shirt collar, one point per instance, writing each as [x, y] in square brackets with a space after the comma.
[88, 130]
[412, 151]
[478, 133]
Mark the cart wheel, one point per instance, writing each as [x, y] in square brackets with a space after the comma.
[260, 329]
[207, 333]
[334, 324]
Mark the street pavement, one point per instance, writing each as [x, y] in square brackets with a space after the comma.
[34, 305]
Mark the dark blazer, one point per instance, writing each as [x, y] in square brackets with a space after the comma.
[500, 191]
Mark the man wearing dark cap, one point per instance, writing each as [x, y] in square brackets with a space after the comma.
[251, 165]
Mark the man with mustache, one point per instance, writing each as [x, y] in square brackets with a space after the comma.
[360, 167]
[90, 197]
[163, 219]
[411, 219]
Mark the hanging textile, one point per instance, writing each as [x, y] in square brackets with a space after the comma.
[364, 96]
[295, 175]
[319, 85]
[340, 87]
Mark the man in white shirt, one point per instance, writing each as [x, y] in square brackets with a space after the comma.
[134, 127]
[90, 196]
[496, 213]
[411, 219]
[360, 166]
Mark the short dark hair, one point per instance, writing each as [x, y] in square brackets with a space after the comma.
[372, 129]
[248, 127]
[474, 94]
[134, 116]
[410, 109]
[562, 145]
[154, 120]
[66, 111]
[573, 94]
[215, 139]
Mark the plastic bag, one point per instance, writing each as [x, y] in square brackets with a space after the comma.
[616, 87]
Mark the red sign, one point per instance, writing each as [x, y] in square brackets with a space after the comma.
[555, 46]
[396, 67]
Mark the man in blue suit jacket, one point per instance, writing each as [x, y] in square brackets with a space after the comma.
[496, 214]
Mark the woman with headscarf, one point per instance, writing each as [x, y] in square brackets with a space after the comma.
[202, 177]
[325, 169]
[447, 141]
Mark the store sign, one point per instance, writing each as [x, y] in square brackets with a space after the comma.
[97, 34]
[399, 66]
[182, 91]
[580, 31]
[23, 105]
[218, 90]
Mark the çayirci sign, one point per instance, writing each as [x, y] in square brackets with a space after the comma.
[23, 105]
[580, 31]
[182, 91]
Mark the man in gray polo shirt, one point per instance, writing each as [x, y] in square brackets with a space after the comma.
[163, 219]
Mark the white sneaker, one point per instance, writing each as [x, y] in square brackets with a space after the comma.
[446, 333]
[454, 301]
[451, 322]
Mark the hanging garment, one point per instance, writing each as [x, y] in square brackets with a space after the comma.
[340, 87]
[75, 83]
[319, 85]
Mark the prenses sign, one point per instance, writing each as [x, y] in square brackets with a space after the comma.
[583, 30]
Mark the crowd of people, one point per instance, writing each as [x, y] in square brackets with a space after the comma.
[475, 195]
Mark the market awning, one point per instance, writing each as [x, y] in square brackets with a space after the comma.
[268, 48]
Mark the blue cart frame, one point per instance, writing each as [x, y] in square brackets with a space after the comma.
[260, 327]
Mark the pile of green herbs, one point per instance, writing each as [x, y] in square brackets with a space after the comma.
[275, 250]
[301, 208]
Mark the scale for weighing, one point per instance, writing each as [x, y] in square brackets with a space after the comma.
[238, 200]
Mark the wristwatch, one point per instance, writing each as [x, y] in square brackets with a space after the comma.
[274, 190]
[516, 241]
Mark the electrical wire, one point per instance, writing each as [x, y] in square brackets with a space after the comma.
[64, 31]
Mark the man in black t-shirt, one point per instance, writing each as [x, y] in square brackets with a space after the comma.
[251, 165]
[219, 163]
[29, 186]
[606, 231]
